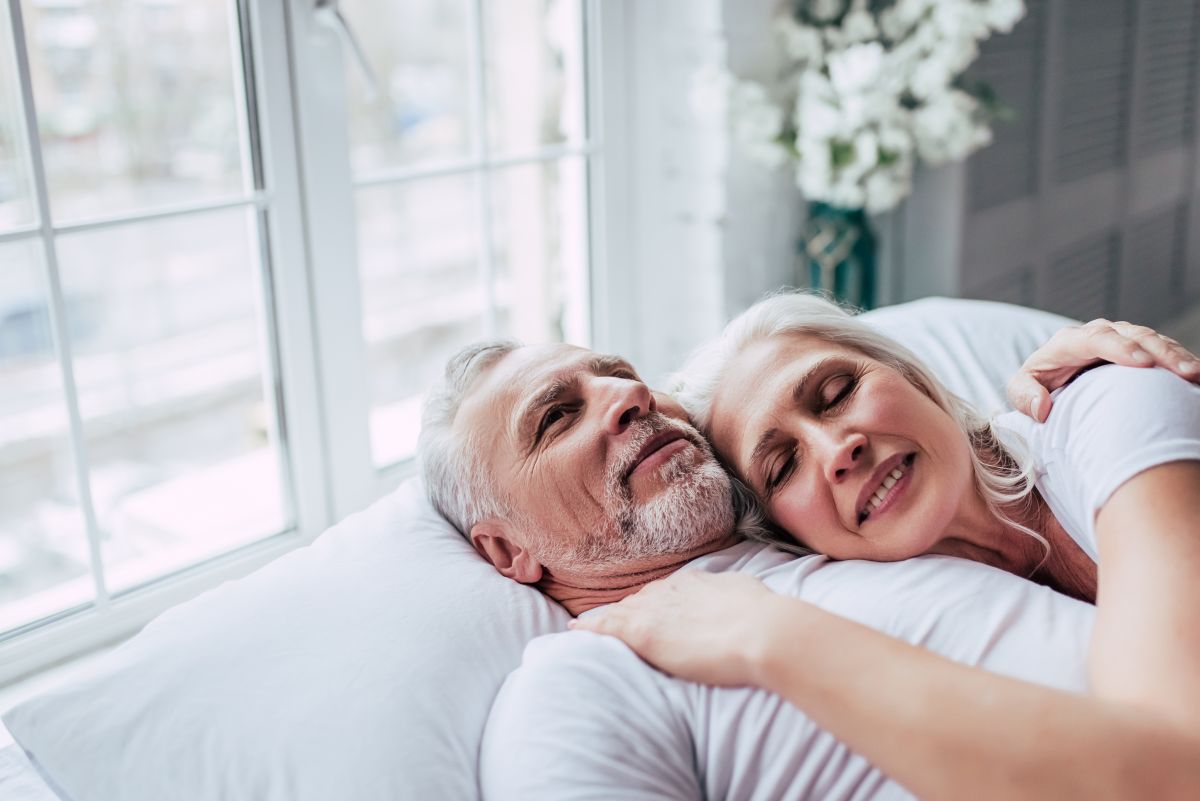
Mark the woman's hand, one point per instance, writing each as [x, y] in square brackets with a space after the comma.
[703, 627]
[1080, 346]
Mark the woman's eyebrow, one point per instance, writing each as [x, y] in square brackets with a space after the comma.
[767, 440]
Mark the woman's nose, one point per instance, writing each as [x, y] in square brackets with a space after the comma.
[845, 453]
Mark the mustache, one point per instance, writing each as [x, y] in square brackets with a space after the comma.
[642, 430]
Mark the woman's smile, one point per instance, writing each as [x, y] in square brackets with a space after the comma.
[883, 494]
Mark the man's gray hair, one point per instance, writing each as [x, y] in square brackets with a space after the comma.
[457, 480]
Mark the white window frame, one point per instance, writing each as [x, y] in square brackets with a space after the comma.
[296, 77]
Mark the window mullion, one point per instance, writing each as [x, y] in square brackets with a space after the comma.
[482, 153]
[324, 182]
[58, 321]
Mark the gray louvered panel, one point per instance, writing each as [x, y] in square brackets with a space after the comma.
[1007, 169]
[1016, 287]
[1172, 40]
[1094, 61]
[1081, 281]
[1155, 248]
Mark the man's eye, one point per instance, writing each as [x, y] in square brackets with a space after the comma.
[552, 416]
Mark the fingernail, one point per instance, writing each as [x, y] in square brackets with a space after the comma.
[1190, 367]
[1035, 407]
[1142, 357]
[571, 624]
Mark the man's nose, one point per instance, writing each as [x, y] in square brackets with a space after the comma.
[844, 452]
[623, 400]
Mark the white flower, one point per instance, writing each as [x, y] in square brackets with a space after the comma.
[814, 167]
[846, 194]
[826, 10]
[757, 123]
[801, 43]
[886, 187]
[959, 20]
[1002, 15]
[897, 19]
[856, 68]
[946, 128]
[859, 26]
[817, 115]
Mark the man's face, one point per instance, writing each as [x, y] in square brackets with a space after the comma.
[602, 474]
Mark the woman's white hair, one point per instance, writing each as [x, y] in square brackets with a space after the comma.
[1003, 476]
[458, 483]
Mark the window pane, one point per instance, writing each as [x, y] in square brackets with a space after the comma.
[534, 74]
[138, 104]
[422, 297]
[539, 247]
[16, 183]
[420, 50]
[170, 362]
[44, 563]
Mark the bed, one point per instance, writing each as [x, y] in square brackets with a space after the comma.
[364, 665]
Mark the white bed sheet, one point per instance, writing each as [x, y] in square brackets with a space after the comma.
[19, 779]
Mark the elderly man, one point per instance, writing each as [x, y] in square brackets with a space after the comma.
[567, 472]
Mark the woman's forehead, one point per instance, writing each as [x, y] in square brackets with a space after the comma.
[758, 378]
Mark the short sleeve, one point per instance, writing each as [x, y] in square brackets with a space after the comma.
[582, 719]
[1106, 427]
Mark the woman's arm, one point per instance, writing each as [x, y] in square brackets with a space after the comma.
[1146, 645]
[943, 730]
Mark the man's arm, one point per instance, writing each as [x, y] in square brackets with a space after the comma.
[1078, 347]
[583, 719]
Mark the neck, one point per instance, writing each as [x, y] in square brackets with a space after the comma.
[979, 536]
[581, 590]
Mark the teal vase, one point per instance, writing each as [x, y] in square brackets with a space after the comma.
[840, 250]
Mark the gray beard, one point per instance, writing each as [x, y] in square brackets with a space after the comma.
[694, 509]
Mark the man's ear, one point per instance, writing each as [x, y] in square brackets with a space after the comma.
[495, 543]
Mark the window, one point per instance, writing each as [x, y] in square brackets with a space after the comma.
[237, 240]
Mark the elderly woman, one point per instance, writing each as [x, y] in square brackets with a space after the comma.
[854, 450]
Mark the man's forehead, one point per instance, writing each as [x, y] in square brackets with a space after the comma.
[517, 374]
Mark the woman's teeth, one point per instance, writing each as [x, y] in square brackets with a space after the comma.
[888, 482]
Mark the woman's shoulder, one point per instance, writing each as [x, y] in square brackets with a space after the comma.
[1112, 397]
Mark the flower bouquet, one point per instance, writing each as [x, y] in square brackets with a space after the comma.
[866, 89]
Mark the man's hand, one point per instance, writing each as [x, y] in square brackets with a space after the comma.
[1077, 347]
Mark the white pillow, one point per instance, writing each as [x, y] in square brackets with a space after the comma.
[973, 346]
[360, 667]
[363, 666]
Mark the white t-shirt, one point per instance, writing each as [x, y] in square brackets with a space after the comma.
[1105, 427]
[585, 718]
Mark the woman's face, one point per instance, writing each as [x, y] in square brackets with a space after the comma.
[846, 455]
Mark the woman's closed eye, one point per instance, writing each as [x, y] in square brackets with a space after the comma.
[837, 390]
[781, 470]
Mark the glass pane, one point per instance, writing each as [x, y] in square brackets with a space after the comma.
[44, 562]
[539, 247]
[138, 103]
[535, 74]
[16, 178]
[420, 50]
[170, 363]
[422, 297]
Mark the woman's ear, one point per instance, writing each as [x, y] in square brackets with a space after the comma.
[495, 542]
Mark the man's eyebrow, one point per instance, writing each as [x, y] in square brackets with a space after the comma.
[768, 437]
[604, 363]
